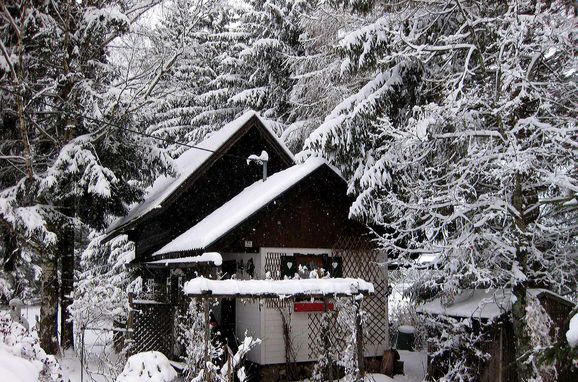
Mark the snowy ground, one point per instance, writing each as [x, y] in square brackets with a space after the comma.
[98, 354]
[99, 358]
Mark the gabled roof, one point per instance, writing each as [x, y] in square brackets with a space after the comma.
[191, 162]
[241, 207]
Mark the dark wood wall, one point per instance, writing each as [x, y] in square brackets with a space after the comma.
[313, 214]
[200, 196]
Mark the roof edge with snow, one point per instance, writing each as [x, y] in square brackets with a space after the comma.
[240, 208]
[206, 153]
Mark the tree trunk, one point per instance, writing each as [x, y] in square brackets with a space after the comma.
[519, 290]
[49, 305]
[66, 252]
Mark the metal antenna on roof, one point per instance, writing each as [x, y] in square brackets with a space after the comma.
[262, 160]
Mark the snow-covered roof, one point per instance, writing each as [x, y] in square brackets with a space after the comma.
[207, 257]
[478, 303]
[278, 288]
[187, 164]
[241, 207]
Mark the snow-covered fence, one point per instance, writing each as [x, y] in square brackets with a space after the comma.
[98, 353]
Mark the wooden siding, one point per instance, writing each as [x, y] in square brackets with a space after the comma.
[313, 214]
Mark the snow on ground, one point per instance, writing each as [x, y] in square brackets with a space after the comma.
[414, 364]
[373, 377]
[97, 346]
[98, 354]
[17, 369]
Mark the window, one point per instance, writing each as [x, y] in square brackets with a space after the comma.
[305, 264]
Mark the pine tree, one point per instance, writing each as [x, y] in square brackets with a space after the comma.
[179, 108]
[67, 119]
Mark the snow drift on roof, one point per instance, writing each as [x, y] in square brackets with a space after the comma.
[242, 206]
[279, 288]
[186, 165]
[207, 257]
[478, 303]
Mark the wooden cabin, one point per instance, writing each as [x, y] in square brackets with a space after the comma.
[494, 306]
[263, 228]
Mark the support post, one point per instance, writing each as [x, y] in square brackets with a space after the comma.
[129, 325]
[207, 338]
[326, 341]
[386, 305]
[359, 338]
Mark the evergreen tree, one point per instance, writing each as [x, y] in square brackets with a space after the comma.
[70, 163]
[186, 44]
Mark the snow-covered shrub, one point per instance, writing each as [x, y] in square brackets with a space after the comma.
[572, 333]
[457, 346]
[325, 356]
[234, 363]
[192, 328]
[191, 331]
[17, 342]
[101, 299]
[150, 366]
[347, 343]
[539, 324]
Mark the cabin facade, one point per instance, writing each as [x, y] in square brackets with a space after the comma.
[294, 221]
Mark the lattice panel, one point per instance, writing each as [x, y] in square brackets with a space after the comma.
[374, 307]
[360, 260]
[273, 266]
[316, 331]
[152, 328]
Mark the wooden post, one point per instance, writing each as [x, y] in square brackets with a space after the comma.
[207, 338]
[129, 323]
[386, 306]
[359, 339]
[326, 342]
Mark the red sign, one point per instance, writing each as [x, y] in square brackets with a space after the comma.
[311, 307]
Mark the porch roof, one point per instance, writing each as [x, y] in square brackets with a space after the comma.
[331, 287]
